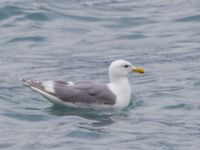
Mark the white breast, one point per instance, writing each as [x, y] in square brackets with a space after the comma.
[122, 90]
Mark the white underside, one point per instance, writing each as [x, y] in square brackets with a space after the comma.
[57, 101]
[122, 92]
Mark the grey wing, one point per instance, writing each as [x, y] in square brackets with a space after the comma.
[78, 92]
[85, 92]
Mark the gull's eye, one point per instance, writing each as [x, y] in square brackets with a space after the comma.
[126, 66]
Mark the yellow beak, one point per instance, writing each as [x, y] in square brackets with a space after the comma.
[138, 70]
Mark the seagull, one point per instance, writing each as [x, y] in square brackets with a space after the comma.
[90, 94]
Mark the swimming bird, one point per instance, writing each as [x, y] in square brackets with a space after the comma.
[90, 94]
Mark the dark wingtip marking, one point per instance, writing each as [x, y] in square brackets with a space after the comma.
[25, 81]
[31, 83]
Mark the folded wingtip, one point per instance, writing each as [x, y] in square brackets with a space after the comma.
[25, 81]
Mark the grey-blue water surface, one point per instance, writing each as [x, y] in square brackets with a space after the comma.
[76, 40]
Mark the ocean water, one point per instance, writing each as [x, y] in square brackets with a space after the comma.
[76, 40]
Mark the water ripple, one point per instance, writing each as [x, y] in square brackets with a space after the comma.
[194, 18]
[77, 39]
[9, 11]
[26, 39]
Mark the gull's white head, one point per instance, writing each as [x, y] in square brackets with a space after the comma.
[120, 69]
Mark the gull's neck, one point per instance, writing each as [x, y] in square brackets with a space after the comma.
[122, 89]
